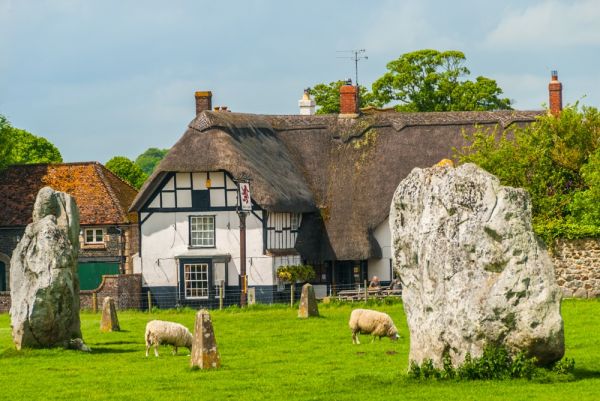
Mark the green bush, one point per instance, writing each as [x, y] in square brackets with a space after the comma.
[496, 363]
[564, 366]
[556, 159]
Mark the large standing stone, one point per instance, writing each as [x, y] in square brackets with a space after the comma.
[109, 320]
[473, 271]
[204, 346]
[308, 302]
[44, 284]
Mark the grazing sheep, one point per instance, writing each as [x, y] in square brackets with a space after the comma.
[378, 324]
[161, 332]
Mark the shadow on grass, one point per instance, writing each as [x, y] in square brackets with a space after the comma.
[582, 374]
[104, 350]
[116, 343]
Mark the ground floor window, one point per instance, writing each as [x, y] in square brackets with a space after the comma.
[196, 280]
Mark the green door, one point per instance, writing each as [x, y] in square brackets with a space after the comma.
[2, 276]
[90, 274]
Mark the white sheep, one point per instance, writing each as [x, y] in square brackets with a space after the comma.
[378, 324]
[161, 332]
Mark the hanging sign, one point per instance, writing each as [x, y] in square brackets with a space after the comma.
[245, 200]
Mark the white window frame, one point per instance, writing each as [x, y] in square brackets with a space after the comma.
[200, 277]
[202, 241]
[95, 232]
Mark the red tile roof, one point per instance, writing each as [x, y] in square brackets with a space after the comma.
[102, 197]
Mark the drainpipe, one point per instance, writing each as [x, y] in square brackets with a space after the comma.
[120, 241]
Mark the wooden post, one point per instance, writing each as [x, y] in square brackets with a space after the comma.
[221, 296]
[94, 302]
[149, 302]
[292, 290]
[244, 282]
[366, 291]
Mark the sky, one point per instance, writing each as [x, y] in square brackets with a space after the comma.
[115, 77]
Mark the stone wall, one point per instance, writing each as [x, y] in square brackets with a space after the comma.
[4, 301]
[125, 289]
[9, 237]
[577, 264]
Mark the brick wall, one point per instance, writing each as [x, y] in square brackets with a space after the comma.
[577, 264]
[125, 289]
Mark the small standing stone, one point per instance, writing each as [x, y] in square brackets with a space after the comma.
[204, 346]
[308, 302]
[110, 321]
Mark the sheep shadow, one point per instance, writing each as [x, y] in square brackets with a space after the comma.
[107, 350]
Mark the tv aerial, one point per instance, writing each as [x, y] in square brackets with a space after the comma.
[356, 55]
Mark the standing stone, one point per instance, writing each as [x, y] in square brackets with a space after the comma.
[474, 273]
[204, 346]
[44, 284]
[109, 321]
[308, 302]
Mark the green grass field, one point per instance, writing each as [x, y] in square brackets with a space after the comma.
[269, 354]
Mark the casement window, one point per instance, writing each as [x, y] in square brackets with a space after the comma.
[93, 236]
[195, 276]
[202, 231]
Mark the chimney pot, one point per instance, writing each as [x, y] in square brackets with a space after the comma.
[555, 94]
[349, 100]
[306, 104]
[203, 101]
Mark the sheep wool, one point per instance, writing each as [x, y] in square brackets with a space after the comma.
[366, 321]
[162, 332]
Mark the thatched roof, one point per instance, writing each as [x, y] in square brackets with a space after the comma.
[344, 170]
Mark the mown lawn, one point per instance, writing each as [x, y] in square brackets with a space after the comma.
[269, 354]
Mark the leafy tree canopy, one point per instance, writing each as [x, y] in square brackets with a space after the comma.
[4, 142]
[557, 159]
[423, 80]
[18, 146]
[148, 160]
[28, 148]
[127, 171]
[429, 80]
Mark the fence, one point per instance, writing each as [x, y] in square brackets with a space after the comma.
[128, 293]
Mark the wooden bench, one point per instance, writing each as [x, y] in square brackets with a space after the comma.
[359, 295]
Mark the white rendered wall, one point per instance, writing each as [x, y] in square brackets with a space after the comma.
[166, 236]
[381, 267]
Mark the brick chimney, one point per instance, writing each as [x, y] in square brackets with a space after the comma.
[306, 104]
[555, 93]
[203, 101]
[349, 100]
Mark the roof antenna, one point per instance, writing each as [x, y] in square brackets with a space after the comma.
[356, 55]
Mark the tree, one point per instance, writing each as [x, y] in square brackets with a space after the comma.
[429, 80]
[424, 80]
[127, 171]
[5, 142]
[557, 159]
[148, 160]
[327, 97]
[293, 274]
[28, 148]
[18, 146]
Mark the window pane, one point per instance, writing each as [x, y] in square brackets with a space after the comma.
[202, 230]
[196, 280]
